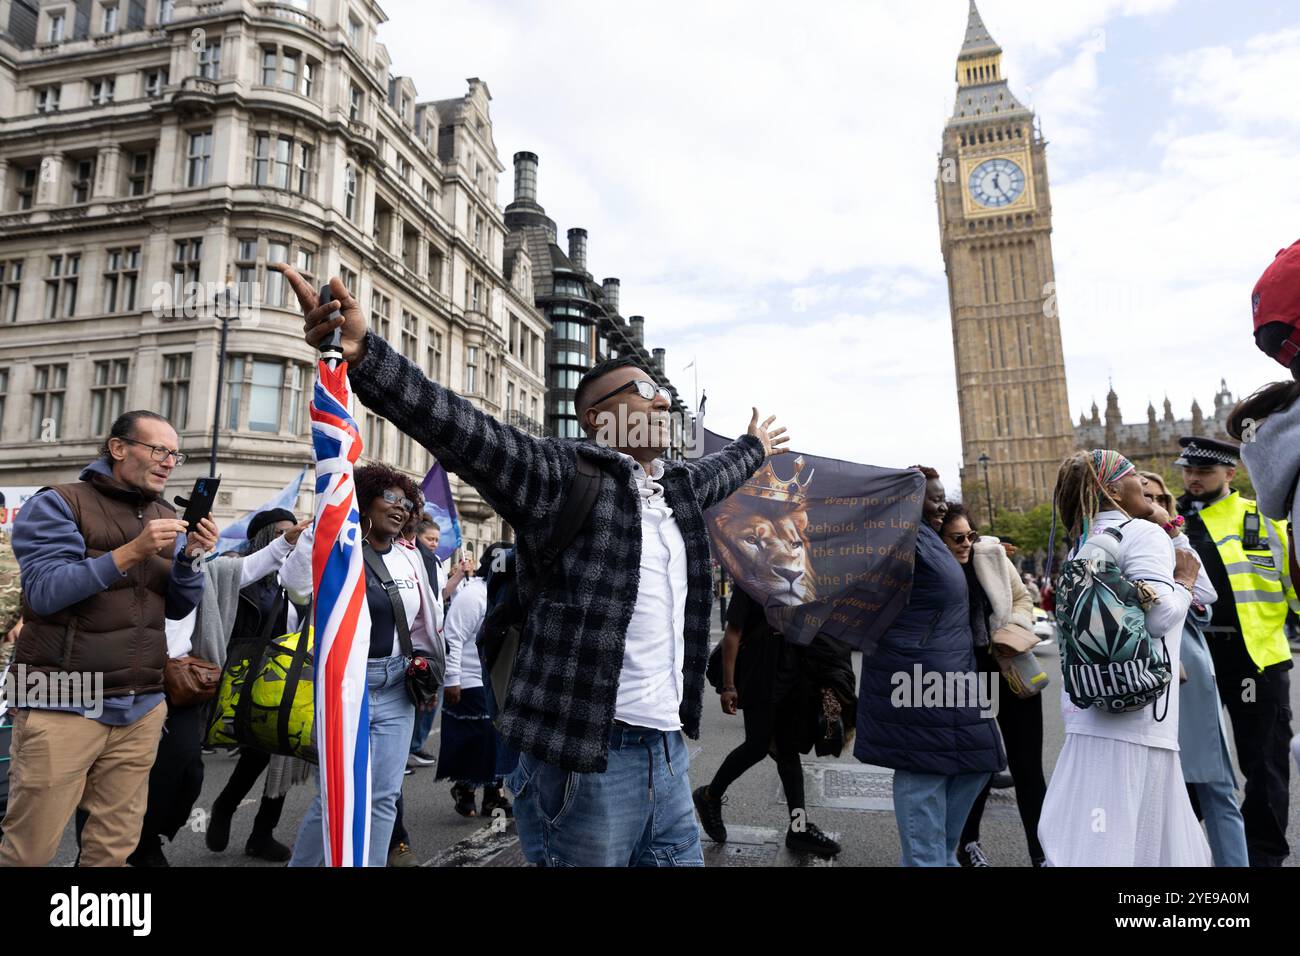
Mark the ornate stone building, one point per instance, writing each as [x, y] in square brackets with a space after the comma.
[995, 223]
[586, 325]
[1152, 444]
[156, 156]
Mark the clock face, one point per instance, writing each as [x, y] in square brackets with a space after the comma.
[997, 182]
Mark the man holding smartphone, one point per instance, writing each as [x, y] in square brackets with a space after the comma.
[102, 567]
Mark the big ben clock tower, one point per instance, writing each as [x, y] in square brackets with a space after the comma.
[995, 224]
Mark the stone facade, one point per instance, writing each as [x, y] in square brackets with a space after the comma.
[995, 220]
[586, 324]
[152, 164]
[1153, 444]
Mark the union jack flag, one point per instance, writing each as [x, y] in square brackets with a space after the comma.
[342, 622]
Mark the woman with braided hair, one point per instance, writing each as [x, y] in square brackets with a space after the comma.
[1117, 797]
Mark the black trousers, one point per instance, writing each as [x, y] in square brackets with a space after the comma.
[1261, 731]
[247, 770]
[766, 724]
[176, 779]
[1021, 723]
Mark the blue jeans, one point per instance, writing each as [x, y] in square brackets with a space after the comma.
[931, 810]
[392, 716]
[637, 813]
[423, 727]
[1223, 823]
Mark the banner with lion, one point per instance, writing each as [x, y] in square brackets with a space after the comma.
[826, 546]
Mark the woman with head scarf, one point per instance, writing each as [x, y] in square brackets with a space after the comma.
[1117, 797]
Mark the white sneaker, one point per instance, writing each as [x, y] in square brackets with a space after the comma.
[972, 854]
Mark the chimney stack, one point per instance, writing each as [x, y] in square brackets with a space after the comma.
[525, 177]
[578, 249]
[658, 360]
[611, 290]
[638, 328]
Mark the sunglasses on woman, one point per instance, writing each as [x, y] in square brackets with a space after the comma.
[395, 499]
[971, 536]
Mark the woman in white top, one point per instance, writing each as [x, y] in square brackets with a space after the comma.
[386, 499]
[1117, 797]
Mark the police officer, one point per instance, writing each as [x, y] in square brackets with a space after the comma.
[1245, 556]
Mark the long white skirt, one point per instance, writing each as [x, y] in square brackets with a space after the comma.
[1114, 803]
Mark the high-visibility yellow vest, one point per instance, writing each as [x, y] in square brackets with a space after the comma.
[1260, 578]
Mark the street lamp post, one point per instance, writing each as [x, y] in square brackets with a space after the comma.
[222, 299]
[988, 493]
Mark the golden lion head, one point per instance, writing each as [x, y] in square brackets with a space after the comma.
[769, 544]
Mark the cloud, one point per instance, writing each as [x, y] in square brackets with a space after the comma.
[761, 178]
[1246, 88]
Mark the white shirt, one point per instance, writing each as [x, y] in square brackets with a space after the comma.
[180, 633]
[296, 576]
[650, 686]
[400, 561]
[464, 618]
[1145, 554]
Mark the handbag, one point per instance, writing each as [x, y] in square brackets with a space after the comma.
[267, 698]
[189, 680]
[1012, 639]
[421, 678]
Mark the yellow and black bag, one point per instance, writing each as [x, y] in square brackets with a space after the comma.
[267, 699]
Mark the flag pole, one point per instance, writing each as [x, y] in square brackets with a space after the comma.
[331, 351]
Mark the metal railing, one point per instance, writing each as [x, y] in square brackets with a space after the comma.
[525, 424]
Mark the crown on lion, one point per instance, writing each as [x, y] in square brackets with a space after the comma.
[765, 484]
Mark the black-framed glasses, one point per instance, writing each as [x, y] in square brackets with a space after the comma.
[647, 390]
[394, 499]
[971, 536]
[160, 453]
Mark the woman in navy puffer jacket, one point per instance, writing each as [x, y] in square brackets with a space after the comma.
[941, 754]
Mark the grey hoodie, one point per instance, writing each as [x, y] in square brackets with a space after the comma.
[1273, 460]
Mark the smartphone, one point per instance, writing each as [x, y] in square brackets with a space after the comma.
[200, 502]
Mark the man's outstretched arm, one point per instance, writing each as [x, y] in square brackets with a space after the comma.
[519, 476]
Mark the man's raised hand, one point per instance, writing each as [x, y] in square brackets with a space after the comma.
[774, 443]
[318, 326]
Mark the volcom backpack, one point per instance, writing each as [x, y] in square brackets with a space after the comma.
[1108, 658]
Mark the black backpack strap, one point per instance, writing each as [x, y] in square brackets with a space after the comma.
[375, 564]
[577, 506]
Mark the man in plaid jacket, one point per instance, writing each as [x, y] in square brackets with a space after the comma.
[610, 669]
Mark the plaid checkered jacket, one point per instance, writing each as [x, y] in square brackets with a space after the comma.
[560, 703]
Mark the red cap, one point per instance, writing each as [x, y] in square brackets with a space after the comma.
[1277, 299]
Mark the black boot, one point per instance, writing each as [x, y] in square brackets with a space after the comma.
[463, 794]
[267, 847]
[148, 853]
[494, 798]
[217, 836]
[262, 842]
[710, 810]
[810, 839]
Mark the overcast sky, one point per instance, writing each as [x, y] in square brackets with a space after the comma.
[760, 175]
